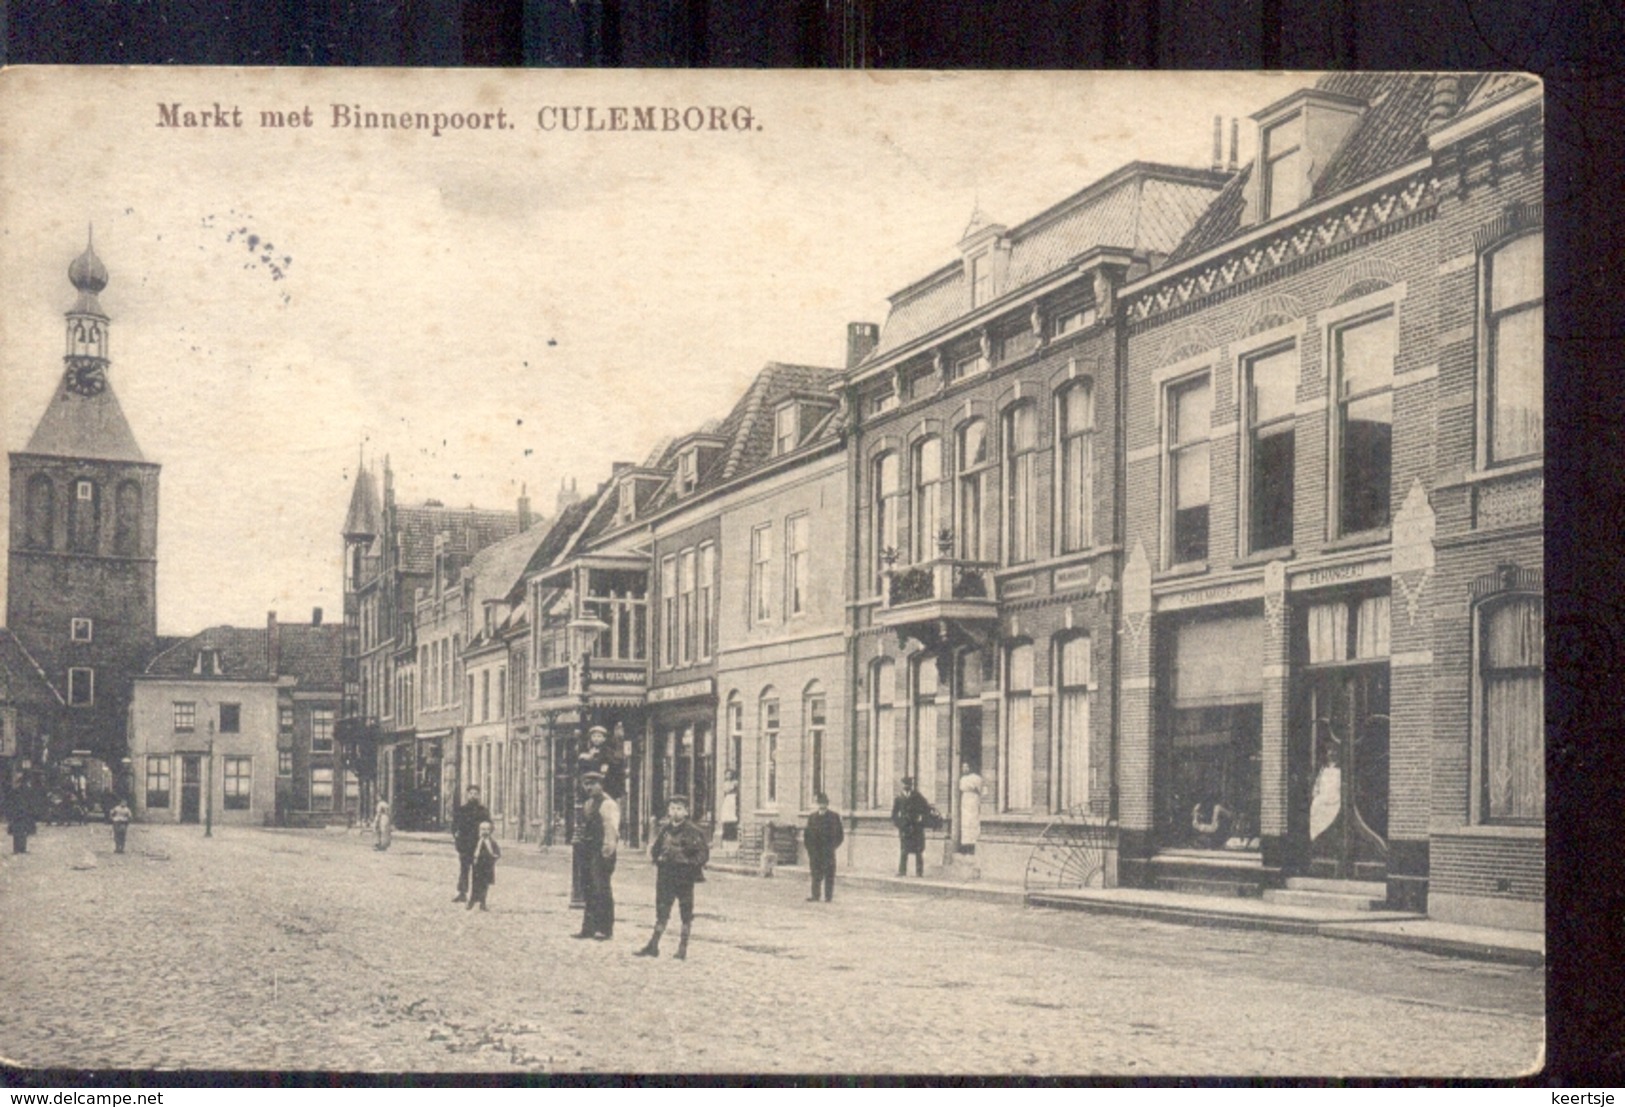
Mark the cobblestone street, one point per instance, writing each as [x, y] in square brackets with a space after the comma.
[308, 950]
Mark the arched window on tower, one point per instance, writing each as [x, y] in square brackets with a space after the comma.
[85, 516]
[127, 519]
[41, 512]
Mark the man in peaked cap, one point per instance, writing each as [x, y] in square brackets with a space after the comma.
[679, 853]
[600, 836]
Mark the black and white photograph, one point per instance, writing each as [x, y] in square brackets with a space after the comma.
[891, 574]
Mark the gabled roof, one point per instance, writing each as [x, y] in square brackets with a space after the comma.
[242, 653]
[557, 537]
[312, 655]
[496, 569]
[22, 681]
[1391, 132]
[1140, 207]
[85, 426]
[469, 530]
[747, 432]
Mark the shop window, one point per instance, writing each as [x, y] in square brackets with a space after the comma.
[768, 748]
[1271, 383]
[1073, 673]
[883, 750]
[1020, 479]
[928, 489]
[158, 781]
[1214, 733]
[1075, 425]
[239, 779]
[1363, 374]
[1511, 654]
[1018, 707]
[971, 443]
[1190, 420]
[1514, 332]
[924, 761]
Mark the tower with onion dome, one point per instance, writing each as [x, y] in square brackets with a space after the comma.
[83, 552]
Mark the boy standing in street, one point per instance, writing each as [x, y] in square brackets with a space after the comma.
[120, 818]
[484, 869]
[679, 853]
[822, 838]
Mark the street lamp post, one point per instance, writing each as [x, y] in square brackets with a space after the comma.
[208, 788]
[584, 632]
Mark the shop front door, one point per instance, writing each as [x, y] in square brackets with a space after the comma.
[1341, 773]
[191, 787]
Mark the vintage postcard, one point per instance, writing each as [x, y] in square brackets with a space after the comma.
[714, 572]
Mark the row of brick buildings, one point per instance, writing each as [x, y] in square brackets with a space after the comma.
[1203, 507]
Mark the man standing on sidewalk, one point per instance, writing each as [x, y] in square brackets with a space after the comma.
[822, 838]
[465, 833]
[909, 812]
[600, 835]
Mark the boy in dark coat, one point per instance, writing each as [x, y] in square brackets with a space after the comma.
[822, 838]
[484, 868]
[679, 853]
[909, 812]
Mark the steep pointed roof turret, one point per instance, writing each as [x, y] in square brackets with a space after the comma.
[361, 521]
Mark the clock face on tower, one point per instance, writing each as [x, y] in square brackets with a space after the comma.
[85, 377]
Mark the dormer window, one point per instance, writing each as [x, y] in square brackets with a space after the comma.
[688, 470]
[981, 280]
[626, 507]
[1285, 182]
[80, 630]
[208, 663]
[786, 428]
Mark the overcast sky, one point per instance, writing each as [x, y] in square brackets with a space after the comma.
[494, 309]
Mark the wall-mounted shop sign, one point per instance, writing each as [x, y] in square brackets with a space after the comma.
[686, 691]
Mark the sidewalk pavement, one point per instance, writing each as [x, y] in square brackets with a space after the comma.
[1397, 928]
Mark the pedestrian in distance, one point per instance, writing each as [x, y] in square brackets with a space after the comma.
[383, 827]
[970, 808]
[21, 826]
[909, 813]
[119, 816]
[679, 853]
[600, 836]
[465, 833]
[728, 812]
[822, 838]
[486, 855]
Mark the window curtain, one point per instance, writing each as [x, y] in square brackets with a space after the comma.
[1371, 628]
[1328, 633]
[1514, 651]
[1019, 765]
[1074, 723]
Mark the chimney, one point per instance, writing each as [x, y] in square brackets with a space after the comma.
[273, 644]
[1218, 143]
[524, 509]
[861, 339]
[1446, 98]
[315, 616]
[1235, 141]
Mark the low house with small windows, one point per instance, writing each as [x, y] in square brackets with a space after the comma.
[236, 725]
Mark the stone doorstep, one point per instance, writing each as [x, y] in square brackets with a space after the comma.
[800, 874]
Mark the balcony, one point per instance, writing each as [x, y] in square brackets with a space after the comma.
[939, 601]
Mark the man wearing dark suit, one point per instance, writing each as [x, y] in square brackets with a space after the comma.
[909, 812]
[822, 838]
[465, 833]
[600, 835]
